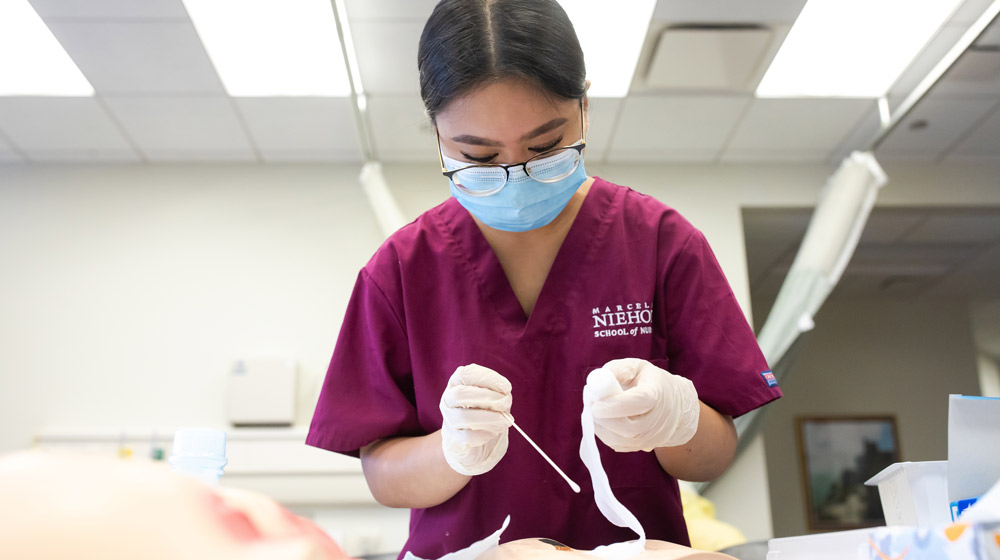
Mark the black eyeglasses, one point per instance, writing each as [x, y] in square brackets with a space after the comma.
[550, 166]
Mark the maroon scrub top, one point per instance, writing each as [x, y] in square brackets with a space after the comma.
[633, 279]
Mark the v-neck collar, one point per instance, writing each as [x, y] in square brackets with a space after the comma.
[564, 275]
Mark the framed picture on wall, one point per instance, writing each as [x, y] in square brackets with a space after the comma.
[837, 455]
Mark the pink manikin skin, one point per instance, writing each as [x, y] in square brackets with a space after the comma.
[55, 507]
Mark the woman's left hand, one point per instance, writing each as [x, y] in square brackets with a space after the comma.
[655, 409]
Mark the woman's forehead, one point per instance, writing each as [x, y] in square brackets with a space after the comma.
[505, 108]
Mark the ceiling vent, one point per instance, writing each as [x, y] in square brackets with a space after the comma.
[708, 58]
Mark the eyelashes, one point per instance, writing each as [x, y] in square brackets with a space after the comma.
[489, 158]
[486, 159]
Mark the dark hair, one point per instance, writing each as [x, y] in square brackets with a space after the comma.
[467, 44]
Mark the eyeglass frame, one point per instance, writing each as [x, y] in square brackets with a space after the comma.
[506, 166]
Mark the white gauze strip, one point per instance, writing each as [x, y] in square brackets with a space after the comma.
[602, 383]
[474, 550]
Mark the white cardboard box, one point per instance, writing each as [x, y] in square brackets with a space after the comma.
[914, 494]
[839, 545]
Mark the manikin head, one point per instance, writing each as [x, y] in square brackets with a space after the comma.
[60, 507]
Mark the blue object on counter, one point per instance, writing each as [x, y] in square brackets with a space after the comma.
[961, 505]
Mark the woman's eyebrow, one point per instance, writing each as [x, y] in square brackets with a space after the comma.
[554, 123]
[478, 141]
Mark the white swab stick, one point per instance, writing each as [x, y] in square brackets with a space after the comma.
[573, 485]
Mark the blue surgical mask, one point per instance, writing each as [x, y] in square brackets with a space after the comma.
[523, 204]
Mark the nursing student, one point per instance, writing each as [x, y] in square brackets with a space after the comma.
[496, 305]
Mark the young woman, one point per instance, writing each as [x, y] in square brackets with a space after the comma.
[494, 306]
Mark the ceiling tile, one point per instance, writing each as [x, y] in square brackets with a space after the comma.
[888, 225]
[983, 141]
[84, 156]
[976, 278]
[728, 11]
[800, 129]
[390, 10]
[933, 126]
[158, 58]
[400, 129]
[110, 9]
[882, 285]
[909, 258]
[60, 125]
[659, 128]
[387, 55]
[772, 237]
[171, 128]
[957, 227]
[860, 136]
[301, 128]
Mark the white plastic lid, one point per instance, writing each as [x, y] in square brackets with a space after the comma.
[199, 442]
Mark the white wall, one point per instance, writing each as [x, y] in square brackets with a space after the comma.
[126, 291]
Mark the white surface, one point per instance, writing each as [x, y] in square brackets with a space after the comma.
[973, 446]
[843, 545]
[914, 494]
[261, 391]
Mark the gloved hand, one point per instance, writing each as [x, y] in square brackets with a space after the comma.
[476, 415]
[649, 408]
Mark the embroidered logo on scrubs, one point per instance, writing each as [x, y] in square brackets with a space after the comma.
[769, 378]
[627, 319]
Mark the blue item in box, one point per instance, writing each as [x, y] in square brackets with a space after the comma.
[958, 507]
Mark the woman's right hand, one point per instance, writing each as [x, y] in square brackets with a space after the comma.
[475, 408]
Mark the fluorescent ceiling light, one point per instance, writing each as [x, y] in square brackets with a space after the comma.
[611, 34]
[272, 48]
[32, 62]
[852, 48]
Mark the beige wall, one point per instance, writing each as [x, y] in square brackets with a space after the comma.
[871, 357]
[127, 292]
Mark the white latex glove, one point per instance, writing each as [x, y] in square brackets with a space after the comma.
[650, 408]
[475, 408]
